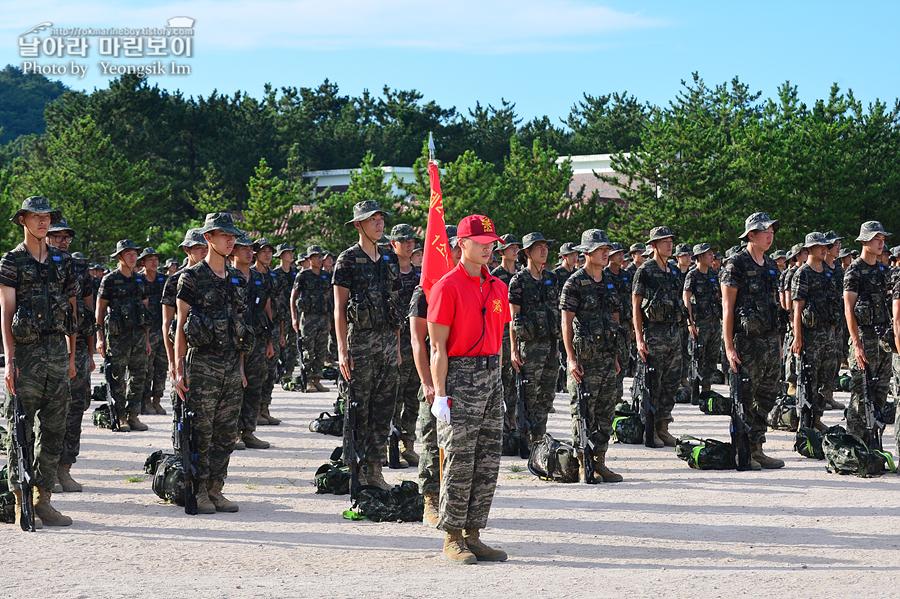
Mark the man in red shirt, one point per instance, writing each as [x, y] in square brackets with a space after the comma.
[467, 311]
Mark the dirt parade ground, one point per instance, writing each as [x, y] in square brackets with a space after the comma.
[667, 531]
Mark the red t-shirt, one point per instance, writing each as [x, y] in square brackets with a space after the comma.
[474, 311]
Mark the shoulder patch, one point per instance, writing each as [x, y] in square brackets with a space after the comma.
[585, 282]
[235, 280]
[56, 258]
[362, 260]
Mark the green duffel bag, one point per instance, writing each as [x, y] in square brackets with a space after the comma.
[705, 454]
[714, 403]
[889, 413]
[553, 460]
[808, 441]
[101, 417]
[628, 429]
[783, 416]
[683, 395]
[848, 454]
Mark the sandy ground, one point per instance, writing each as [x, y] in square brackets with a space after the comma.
[667, 531]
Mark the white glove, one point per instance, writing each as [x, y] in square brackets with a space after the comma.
[441, 408]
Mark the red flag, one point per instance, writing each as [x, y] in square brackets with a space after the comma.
[436, 259]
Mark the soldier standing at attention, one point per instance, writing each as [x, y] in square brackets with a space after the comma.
[702, 297]
[568, 255]
[590, 328]
[264, 251]
[658, 314]
[310, 315]
[622, 280]
[122, 308]
[155, 381]
[406, 412]
[209, 374]
[866, 307]
[534, 334]
[841, 336]
[38, 283]
[60, 236]
[750, 292]
[467, 310]
[683, 260]
[508, 247]
[636, 251]
[367, 318]
[286, 272]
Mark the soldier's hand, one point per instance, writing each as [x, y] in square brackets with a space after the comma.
[429, 393]
[733, 359]
[93, 365]
[282, 339]
[8, 378]
[346, 365]
[642, 349]
[618, 368]
[72, 370]
[797, 346]
[101, 347]
[270, 350]
[181, 381]
[296, 326]
[860, 352]
[516, 358]
[576, 369]
[693, 330]
[149, 349]
[243, 379]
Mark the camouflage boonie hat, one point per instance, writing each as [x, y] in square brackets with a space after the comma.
[61, 225]
[402, 232]
[365, 209]
[122, 245]
[78, 256]
[795, 250]
[508, 240]
[261, 243]
[637, 247]
[615, 248]
[647, 252]
[593, 239]
[758, 221]
[895, 251]
[148, 251]
[778, 254]
[313, 250]
[682, 249]
[657, 233]
[419, 248]
[870, 229]
[846, 252]
[171, 262]
[567, 248]
[831, 237]
[732, 252]
[243, 240]
[301, 257]
[700, 248]
[284, 247]
[451, 237]
[384, 240]
[532, 238]
[815, 238]
[37, 205]
[220, 221]
[193, 237]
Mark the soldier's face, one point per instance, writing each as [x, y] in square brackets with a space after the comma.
[538, 252]
[571, 259]
[264, 255]
[510, 252]
[222, 242]
[706, 258]
[196, 253]
[684, 260]
[618, 258]
[128, 258]
[456, 254]
[315, 261]
[373, 227]
[478, 253]
[762, 239]
[876, 244]
[287, 257]
[37, 224]
[600, 256]
[151, 263]
[404, 249]
[834, 249]
[802, 256]
[663, 247]
[328, 261]
[60, 240]
[818, 252]
[243, 254]
[638, 258]
[416, 258]
[780, 262]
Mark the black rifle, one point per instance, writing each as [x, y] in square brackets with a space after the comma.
[644, 380]
[694, 375]
[183, 443]
[394, 447]
[353, 442]
[561, 376]
[523, 422]
[110, 399]
[740, 430]
[300, 362]
[873, 417]
[24, 457]
[585, 444]
[804, 392]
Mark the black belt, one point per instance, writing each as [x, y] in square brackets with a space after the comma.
[475, 362]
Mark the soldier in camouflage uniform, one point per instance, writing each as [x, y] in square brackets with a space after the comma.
[155, 381]
[406, 411]
[38, 284]
[622, 280]
[367, 316]
[658, 314]
[590, 308]
[311, 315]
[534, 334]
[750, 293]
[264, 251]
[286, 272]
[208, 374]
[568, 254]
[683, 262]
[60, 236]
[125, 340]
[703, 299]
[815, 293]
[840, 327]
[508, 247]
[636, 251]
[866, 307]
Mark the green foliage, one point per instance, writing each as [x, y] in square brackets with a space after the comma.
[22, 101]
[269, 205]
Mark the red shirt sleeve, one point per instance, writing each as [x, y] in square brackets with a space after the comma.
[442, 304]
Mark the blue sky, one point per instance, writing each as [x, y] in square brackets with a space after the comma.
[541, 54]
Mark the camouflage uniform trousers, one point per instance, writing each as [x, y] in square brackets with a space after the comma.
[289, 352]
[472, 445]
[838, 356]
[789, 361]
[80, 386]
[272, 377]
[157, 366]
[663, 343]
[895, 371]
[257, 374]
[315, 334]
[760, 364]
[624, 361]
[709, 337]
[429, 456]
[215, 395]
[43, 387]
[879, 374]
[600, 379]
[819, 354]
[508, 378]
[540, 368]
[332, 340]
[406, 407]
[374, 386]
[126, 357]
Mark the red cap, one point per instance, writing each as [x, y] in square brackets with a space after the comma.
[477, 227]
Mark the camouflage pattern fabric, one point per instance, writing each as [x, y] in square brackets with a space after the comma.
[471, 444]
[600, 378]
[314, 332]
[257, 374]
[879, 372]
[818, 352]
[43, 387]
[406, 408]
[541, 368]
[126, 356]
[507, 372]
[272, 369]
[289, 351]
[760, 364]
[157, 366]
[709, 336]
[429, 456]
[664, 354]
[80, 386]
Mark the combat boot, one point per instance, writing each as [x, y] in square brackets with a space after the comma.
[264, 412]
[597, 479]
[662, 431]
[657, 442]
[238, 444]
[37, 521]
[158, 406]
[481, 551]
[375, 477]
[57, 488]
[46, 512]
[832, 404]
[818, 424]
[764, 460]
[318, 385]
[432, 510]
[408, 453]
[252, 442]
[455, 549]
[220, 501]
[123, 424]
[67, 483]
[204, 503]
[135, 423]
[310, 387]
[602, 471]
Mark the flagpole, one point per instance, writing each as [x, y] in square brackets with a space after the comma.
[430, 147]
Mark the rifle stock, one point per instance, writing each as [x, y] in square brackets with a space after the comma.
[648, 410]
[24, 456]
[872, 415]
[300, 363]
[523, 422]
[804, 393]
[694, 347]
[352, 442]
[183, 443]
[740, 430]
[585, 444]
[110, 398]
